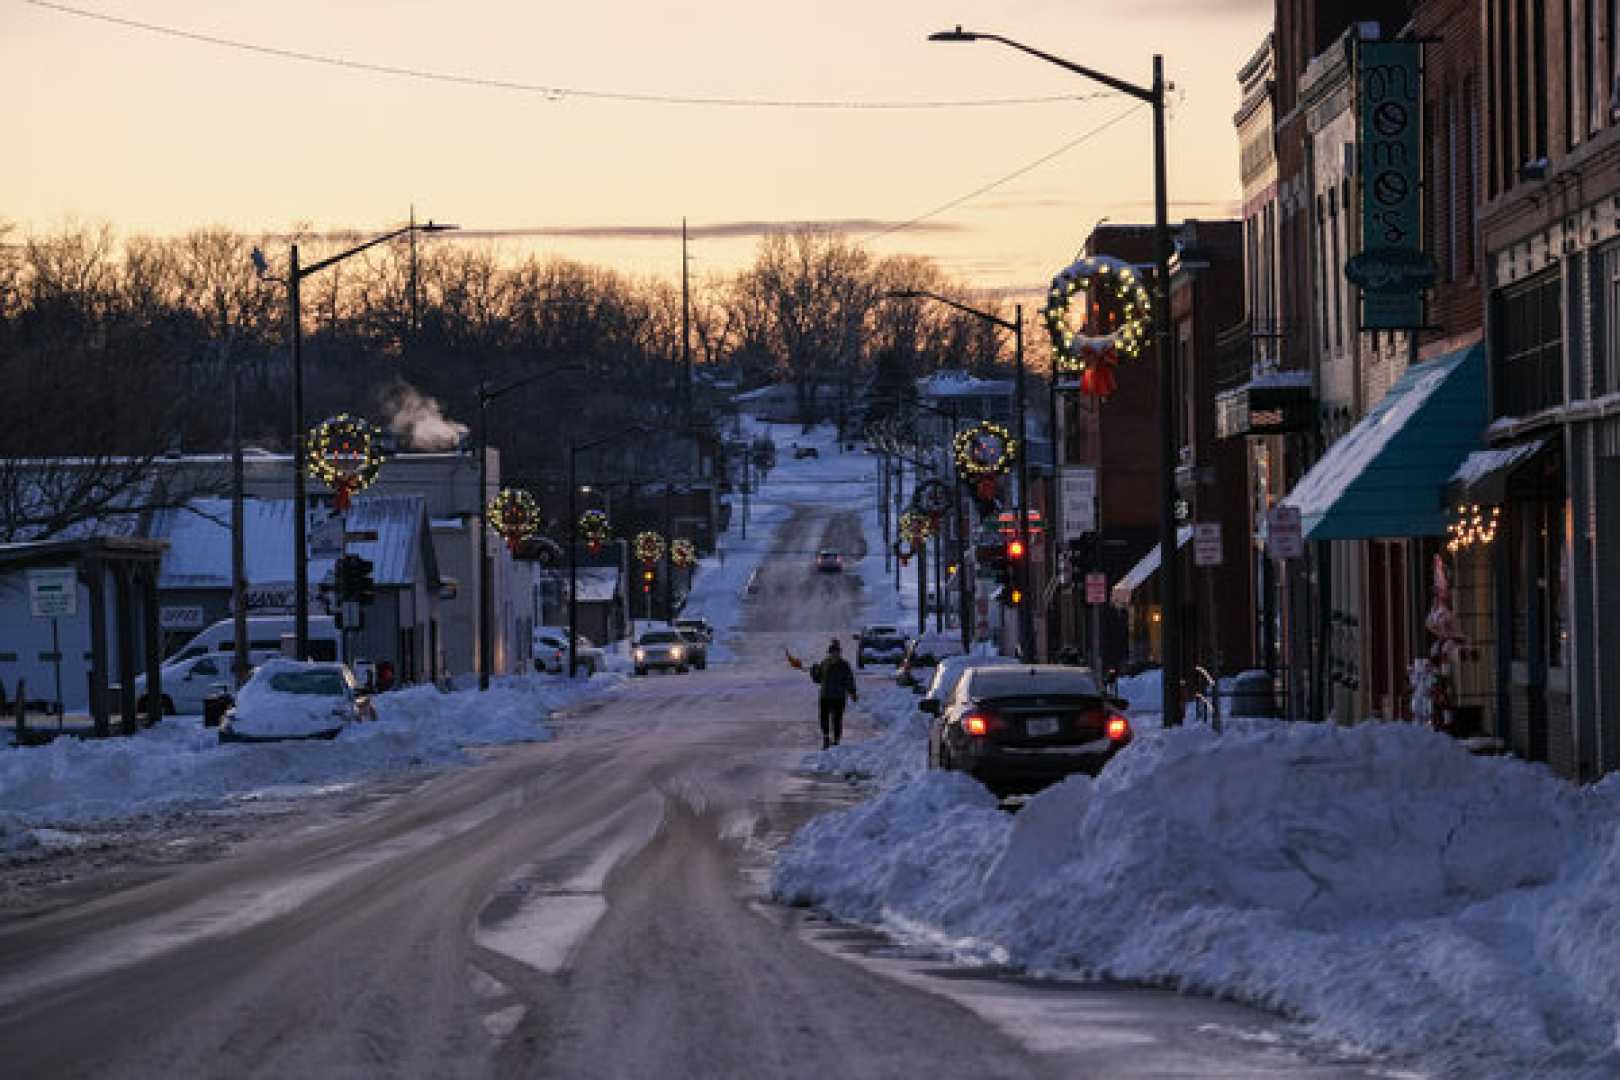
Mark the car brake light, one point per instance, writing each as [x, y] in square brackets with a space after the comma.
[976, 724]
[1118, 728]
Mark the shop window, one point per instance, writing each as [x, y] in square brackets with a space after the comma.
[1528, 366]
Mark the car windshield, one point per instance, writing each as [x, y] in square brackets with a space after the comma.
[661, 637]
[328, 683]
[1023, 682]
[882, 632]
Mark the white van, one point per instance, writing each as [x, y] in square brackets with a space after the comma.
[264, 639]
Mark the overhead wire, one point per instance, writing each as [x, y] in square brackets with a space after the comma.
[552, 93]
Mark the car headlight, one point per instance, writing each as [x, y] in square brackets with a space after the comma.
[641, 654]
[676, 653]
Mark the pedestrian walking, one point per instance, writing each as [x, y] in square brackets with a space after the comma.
[837, 682]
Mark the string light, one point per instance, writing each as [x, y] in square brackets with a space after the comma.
[649, 547]
[515, 515]
[1475, 525]
[345, 454]
[916, 527]
[1094, 349]
[595, 529]
[984, 450]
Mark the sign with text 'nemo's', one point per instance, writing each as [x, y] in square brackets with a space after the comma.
[1389, 101]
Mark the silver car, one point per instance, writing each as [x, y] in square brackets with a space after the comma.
[667, 649]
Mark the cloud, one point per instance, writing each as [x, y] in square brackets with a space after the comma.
[723, 230]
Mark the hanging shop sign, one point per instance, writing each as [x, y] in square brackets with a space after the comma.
[1392, 267]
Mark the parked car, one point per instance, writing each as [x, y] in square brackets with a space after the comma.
[828, 561]
[923, 655]
[662, 648]
[805, 452]
[295, 699]
[949, 671]
[880, 644]
[697, 649]
[696, 626]
[1018, 728]
[551, 651]
[188, 684]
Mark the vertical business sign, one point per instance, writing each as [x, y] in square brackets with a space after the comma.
[1392, 268]
[1079, 502]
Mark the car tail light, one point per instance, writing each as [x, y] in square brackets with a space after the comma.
[979, 723]
[1119, 728]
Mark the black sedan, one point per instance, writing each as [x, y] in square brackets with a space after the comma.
[1018, 729]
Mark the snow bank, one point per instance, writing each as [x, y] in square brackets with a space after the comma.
[1376, 881]
[180, 765]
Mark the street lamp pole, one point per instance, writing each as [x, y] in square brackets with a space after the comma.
[296, 273]
[1169, 570]
[574, 450]
[1026, 622]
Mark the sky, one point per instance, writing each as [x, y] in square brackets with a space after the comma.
[155, 133]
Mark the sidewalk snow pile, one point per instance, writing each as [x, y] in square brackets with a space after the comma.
[898, 752]
[180, 765]
[1395, 893]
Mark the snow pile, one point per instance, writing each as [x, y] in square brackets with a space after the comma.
[898, 753]
[1377, 881]
[180, 765]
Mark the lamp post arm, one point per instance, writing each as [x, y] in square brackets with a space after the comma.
[1005, 324]
[486, 395]
[1138, 92]
[340, 256]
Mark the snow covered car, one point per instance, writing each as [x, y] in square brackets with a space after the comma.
[1019, 728]
[880, 645]
[924, 654]
[800, 452]
[663, 648]
[948, 672]
[295, 699]
[551, 651]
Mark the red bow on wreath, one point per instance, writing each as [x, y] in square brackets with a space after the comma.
[986, 489]
[343, 492]
[1099, 380]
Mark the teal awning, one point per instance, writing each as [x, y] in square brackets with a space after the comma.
[1387, 477]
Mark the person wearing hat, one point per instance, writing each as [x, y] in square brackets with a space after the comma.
[837, 682]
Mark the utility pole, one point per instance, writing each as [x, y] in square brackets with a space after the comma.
[300, 552]
[239, 665]
[416, 312]
[686, 323]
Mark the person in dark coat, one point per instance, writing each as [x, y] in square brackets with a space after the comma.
[837, 683]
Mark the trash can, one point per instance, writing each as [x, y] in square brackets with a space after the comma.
[1250, 693]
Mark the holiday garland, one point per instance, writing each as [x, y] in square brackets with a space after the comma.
[986, 449]
[514, 515]
[682, 553]
[345, 454]
[916, 527]
[1093, 356]
[594, 529]
[649, 547]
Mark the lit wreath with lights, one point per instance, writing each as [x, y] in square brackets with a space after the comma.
[933, 498]
[916, 527]
[683, 553]
[649, 547]
[594, 529]
[984, 450]
[514, 515]
[345, 454]
[1093, 356]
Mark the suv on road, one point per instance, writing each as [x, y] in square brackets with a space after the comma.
[828, 561]
[882, 644]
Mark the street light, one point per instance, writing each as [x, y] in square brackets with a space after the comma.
[486, 587]
[294, 282]
[1169, 571]
[1026, 622]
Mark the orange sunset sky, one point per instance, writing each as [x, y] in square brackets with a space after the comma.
[156, 133]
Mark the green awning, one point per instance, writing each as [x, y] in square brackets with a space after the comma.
[1387, 477]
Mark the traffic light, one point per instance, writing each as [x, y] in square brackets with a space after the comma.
[647, 580]
[351, 578]
[1015, 596]
[1015, 549]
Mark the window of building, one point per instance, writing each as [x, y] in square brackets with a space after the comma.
[1528, 372]
[1537, 76]
[1573, 127]
[1593, 52]
[1471, 171]
[1453, 212]
[1321, 268]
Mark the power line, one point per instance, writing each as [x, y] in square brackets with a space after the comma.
[1015, 174]
[552, 93]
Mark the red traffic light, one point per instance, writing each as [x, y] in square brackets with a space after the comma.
[1015, 549]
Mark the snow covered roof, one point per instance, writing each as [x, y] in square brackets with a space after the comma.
[1386, 477]
[1482, 463]
[1145, 568]
[1280, 380]
[199, 535]
[961, 384]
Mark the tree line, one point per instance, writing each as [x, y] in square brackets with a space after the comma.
[115, 351]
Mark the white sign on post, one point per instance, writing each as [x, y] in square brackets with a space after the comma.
[1285, 538]
[1079, 502]
[53, 593]
[180, 617]
[1207, 543]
